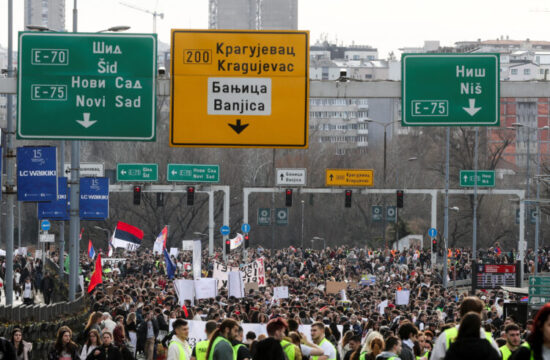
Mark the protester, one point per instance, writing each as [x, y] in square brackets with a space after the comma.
[199, 351]
[179, 347]
[107, 350]
[318, 337]
[537, 346]
[468, 344]
[443, 342]
[22, 348]
[513, 341]
[219, 345]
[240, 349]
[93, 342]
[393, 347]
[124, 346]
[64, 348]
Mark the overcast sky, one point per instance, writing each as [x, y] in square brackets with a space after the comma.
[384, 24]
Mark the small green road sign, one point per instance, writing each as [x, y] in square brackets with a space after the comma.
[137, 172]
[485, 178]
[86, 86]
[281, 216]
[450, 90]
[193, 173]
[264, 216]
[539, 291]
[539, 281]
[538, 300]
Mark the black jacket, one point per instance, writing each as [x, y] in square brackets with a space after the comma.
[472, 349]
[110, 352]
[142, 333]
[525, 353]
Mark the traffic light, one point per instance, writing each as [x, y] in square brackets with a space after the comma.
[160, 199]
[434, 245]
[246, 241]
[190, 195]
[288, 200]
[137, 195]
[227, 246]
[400, 198]
[348, 198]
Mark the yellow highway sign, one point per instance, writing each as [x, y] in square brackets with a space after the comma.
[238, 88]
[349, 177]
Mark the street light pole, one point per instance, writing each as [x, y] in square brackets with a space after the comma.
[446, 208]
[537, 223]
[302, 236]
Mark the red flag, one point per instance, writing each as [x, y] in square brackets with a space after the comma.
[97, 276]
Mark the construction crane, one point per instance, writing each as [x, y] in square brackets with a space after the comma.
[154, 13]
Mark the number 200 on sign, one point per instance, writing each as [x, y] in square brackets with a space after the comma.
[430, 108]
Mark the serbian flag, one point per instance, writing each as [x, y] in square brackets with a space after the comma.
[160, 242]
[127, 236]
[170, 268]
[91, 251]
[236, 242]
[97, 276]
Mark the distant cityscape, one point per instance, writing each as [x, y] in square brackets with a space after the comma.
[349, 126]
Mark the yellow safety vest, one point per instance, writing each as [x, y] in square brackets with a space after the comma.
[200, 350]
[181, 349]
[236, 350]
[505, 351]
[452, 333]
[289, 350]
[216, 341]
[321, 343]
[528, 346]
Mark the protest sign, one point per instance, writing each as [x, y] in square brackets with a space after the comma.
[280, 292]
[205, 288]
[235, 284]
[187, 245]
[402, 297]
[334, 287]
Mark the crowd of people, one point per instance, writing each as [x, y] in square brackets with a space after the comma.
[136, 313]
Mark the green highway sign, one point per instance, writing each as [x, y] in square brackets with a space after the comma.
[281, 216]
[485, 178]
[538, 300]
[450, 90]
[137, 172]
[193, 173]
[86, 86]
[539, 281]
[539, 291]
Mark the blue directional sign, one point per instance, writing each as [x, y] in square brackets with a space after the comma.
[45, 225]
[94, 198]
[432, 232]
[59, 209]
[37, 173]
[245, 228]
[225, 230]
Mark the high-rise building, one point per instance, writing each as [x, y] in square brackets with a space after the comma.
[253, 14]
[48, 13]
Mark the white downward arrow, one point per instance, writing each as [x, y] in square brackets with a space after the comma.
[86, 122]
[472, 110]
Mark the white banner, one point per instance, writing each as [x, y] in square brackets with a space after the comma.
[187, 245]
[185, 290]
[157, 247]
[196, 330]
[205, 288]
[197, 259]
[252, 272]
[280, 292]
[402, 297]
[236, 242]
[236, 284]
[174, 252]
